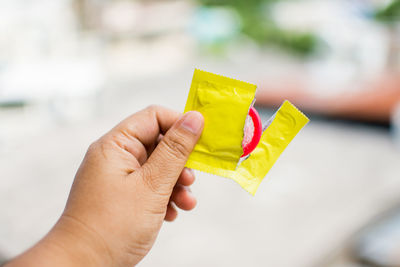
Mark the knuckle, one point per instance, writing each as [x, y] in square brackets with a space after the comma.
[175, 145]
[152, 181]
[152, 108]
[93, 148]
[100, 147]
[147, 175]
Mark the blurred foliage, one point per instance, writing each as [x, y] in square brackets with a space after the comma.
[258, 25]
[390, 13]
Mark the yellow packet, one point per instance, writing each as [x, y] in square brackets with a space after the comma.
[224, 104]
[283, 127]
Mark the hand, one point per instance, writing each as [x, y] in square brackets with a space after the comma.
[122, 192]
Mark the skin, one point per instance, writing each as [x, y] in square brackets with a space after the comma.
[130, 181]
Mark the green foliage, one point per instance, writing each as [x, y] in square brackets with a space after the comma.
[259, 26]
[390, 13]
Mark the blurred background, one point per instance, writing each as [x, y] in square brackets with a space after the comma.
[71, 69]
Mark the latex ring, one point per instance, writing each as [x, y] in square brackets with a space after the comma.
[255, 117]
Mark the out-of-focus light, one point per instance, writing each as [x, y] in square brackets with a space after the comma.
[215, 24]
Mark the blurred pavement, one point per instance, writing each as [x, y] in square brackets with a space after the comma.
[328, 182]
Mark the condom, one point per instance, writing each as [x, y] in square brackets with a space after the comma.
[279, 131]
[224, 104]
[233, 143]
[252, 132]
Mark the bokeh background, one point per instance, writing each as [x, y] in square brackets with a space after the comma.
[72, 69]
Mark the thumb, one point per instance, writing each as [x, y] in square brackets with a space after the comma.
[167, 161]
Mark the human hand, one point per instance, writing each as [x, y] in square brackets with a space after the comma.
[123, 191]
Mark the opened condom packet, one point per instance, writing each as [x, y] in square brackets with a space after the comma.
[223, 148]
[224, 104]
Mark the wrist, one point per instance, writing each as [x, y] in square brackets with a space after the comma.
[69, 243]
[81, 244]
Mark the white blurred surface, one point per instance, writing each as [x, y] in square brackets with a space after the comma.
[328, 182]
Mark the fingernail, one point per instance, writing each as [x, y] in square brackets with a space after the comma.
[190, 170]
[189, 190]
[193, 121]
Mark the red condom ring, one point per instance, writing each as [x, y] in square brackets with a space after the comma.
[255, 117]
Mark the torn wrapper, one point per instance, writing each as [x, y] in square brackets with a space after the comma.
[225, 104]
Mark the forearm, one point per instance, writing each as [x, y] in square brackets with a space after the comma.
[121, 195]
[67, 244]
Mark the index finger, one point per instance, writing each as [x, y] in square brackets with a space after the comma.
[147, 124]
